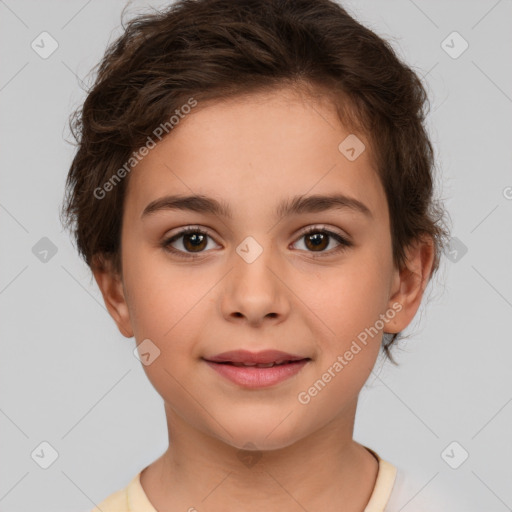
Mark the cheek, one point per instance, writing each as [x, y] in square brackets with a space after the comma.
[152, 300]
[347, 303]
[158, 293]
[166, 313]
[168, 304]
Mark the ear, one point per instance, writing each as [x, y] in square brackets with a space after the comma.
[409, 283]
[111, 286]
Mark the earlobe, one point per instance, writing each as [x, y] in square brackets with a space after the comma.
[410, 283]
[111, 287]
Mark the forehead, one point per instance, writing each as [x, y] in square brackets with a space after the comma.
[251, 151]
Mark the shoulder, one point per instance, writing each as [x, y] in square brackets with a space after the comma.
[406, 492]
[422, 492]
[129, 499]
[397, 489]
[116, 502]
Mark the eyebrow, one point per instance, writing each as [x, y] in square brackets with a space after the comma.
[293, 206]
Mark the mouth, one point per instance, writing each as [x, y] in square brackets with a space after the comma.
[256, 370]
[262, 365]
[262, 359]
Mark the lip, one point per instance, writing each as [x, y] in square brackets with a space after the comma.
[254, 376]
[262, 357]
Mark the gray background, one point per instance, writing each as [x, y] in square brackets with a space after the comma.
[70, 379]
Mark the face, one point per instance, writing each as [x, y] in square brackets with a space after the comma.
[309, 281]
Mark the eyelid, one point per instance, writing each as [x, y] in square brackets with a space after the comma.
[180, 232]
[344, 240]
[323, 227]
[304, 231]
[190, 228]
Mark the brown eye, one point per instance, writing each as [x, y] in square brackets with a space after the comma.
[194, 242]
[187, 242]
[317, 240]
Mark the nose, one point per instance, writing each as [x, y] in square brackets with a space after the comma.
[254, 292]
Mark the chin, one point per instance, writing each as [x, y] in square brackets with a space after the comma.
[259, 443]
[262, 437]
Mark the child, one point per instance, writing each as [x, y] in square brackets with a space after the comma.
[253, 192]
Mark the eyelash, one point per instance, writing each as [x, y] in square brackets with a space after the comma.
[343, 242]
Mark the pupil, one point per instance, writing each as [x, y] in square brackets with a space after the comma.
[196, 240]
[317, 239]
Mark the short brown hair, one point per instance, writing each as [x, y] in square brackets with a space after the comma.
[218, 49]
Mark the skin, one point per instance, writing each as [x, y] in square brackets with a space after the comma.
[253, 153]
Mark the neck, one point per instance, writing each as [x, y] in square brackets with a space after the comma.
[324, 470]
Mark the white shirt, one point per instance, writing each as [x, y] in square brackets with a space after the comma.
[392, 492]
